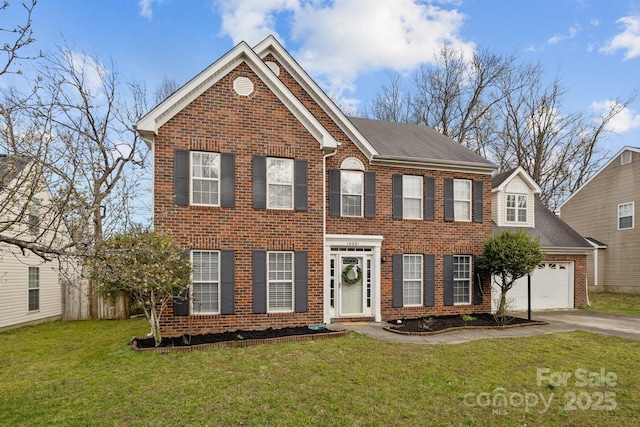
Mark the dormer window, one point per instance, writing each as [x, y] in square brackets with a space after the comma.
[516, 208]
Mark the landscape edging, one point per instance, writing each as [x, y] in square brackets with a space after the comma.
[442, 331]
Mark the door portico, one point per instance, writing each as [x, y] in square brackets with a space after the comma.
[352, 277]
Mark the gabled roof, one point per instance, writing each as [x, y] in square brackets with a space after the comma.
[271, 46]
[500, 181]
[418, 146]
[622, 150]
[149, 125]
[10, 167]
[554, 233]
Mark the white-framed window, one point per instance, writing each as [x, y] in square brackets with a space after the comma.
[462, 200]
[412, 197]
[516, 207]
[279, 183]
[625, 216]
[352, 193]
[280, 281]
[412, 269]
[205, 178]
[462, 279]
[33, 219]
[34, 288]
[206, 282]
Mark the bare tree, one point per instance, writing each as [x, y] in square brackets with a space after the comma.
[506, 112]
[15, 39]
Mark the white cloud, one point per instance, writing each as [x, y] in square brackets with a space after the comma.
[145, 7]
[573, 31]
[91, 71]
[624, 121]
[628, 40]
[338, 40]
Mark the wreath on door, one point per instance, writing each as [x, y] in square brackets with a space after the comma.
[347, 274]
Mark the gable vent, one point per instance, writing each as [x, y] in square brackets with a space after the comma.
[243, 86]
[625, 159]
[274, 67]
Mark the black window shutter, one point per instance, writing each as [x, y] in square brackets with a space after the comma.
[429, 199]
[227, 180]
[259, 282]
[477, 201]
[227, 282]
[301, 282]
[300, 190]
[181, 301]
[370, 194]
[181, 177]
[334, 192]
[448, 199]
[259, 182]
[448, 280]
[477, 284]
[396, 188]
[398, 267]
[429, 280]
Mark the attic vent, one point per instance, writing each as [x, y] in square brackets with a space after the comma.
[243, 86]
[625, 158]
[274, 67]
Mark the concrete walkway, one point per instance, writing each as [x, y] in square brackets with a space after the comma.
[558, 321]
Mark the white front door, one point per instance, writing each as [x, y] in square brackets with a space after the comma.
[351, 285]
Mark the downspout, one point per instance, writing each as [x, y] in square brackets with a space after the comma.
[325, 314]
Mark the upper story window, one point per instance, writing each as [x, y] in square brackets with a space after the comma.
[412, 197]
[516, 207]
[625, 216]
[205, 178]
[280, 180]
[206, 281]
[352, 192]
[462, 200]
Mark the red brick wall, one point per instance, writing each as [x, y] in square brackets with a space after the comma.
[220, 120]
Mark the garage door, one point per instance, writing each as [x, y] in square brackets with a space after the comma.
[551, 287]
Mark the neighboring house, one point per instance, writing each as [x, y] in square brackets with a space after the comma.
[603, 211]
[29, 286]
[559, 281]
[293, 214]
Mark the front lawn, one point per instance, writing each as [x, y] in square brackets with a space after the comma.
[83, 373]
[615, 303]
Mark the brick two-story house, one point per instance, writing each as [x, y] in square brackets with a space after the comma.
[293, 214]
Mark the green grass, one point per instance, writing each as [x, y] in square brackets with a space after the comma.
[83, 373]
[615, 303]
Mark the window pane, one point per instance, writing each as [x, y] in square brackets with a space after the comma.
[462, 279]
[206, 273]
[412, 208]
[352, 182]
[511, 201]
[462, 200]
[280, 196]
[351, 205]
[412, 186]
[280, 171]
[34, 288]
[462, 190]
[462, 211]
[205, 170]
[205, 165]
[625, 216]
[412, 282]
[280, 286]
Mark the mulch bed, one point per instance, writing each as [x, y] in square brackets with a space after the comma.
[439, 324]
[233, 339]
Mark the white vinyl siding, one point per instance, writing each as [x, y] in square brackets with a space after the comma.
[352, 193]
[412, 197]
[462, 279]
[280, 281]
[625, 216]
[206, 282]
[279, 183]
[205, 178]
[412, 269]
[462, 200]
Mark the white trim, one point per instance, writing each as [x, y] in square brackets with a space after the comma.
[149, 125]
[519, 171]
[623, 149]
[356, 241]
[633, 216]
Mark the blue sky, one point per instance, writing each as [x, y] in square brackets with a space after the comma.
[349, 46]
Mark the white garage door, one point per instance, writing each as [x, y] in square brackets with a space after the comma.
[551, 287]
